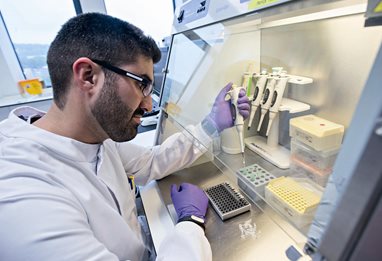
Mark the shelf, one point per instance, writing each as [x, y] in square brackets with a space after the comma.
[293, 106]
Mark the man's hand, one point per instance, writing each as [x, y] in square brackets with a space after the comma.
[221, 116]
[189, 200]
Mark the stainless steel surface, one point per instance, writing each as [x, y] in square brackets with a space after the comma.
[250, 236]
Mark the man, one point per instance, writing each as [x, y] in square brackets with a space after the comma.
[64, 191]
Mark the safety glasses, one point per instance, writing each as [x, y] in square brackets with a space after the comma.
[144, 84]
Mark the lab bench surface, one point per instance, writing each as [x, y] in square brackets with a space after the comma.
[249, 236]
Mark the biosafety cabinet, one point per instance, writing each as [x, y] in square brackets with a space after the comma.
[310, 169]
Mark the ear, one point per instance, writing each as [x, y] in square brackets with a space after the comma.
[86, 74]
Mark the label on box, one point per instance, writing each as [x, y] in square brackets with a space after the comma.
[304, 137]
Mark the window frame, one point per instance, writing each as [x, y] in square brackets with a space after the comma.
[12, 62]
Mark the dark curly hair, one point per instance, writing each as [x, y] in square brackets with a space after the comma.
[96, 36]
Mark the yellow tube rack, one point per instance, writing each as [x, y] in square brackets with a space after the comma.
[293, 194]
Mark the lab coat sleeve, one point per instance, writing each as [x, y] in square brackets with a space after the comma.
[178, 151]
[186, 242]
[45, 224]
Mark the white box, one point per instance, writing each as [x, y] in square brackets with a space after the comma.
[318, 133]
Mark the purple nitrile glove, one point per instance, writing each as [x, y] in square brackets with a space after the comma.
[189, 200]
[221, 115]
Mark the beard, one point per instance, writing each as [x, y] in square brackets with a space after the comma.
[115, 117]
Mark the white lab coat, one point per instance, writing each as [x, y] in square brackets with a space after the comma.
[61, 199]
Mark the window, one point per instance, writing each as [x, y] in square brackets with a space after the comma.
[152, 16]
[155, 18]
[32, 26]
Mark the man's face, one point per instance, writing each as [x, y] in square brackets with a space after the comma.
[121, 103]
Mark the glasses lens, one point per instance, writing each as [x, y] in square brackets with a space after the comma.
[147, 87]
[148, 90]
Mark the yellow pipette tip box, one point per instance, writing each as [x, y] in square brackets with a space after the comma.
[293, 198]
[31, 86]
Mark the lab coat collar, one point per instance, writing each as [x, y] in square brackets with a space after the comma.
[67, 147]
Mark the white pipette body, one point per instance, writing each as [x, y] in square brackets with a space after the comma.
[233, 94]
[257, 94]
[267, 98]
[277, 96]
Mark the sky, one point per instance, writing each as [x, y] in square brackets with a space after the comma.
[38, 21]
[35, 21]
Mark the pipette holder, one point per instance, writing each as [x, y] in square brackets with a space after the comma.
[268, 147]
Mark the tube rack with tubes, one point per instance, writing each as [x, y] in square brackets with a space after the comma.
[226, 200]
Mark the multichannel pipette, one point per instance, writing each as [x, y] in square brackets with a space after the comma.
[278, 93]
[257, 94]
[267, 98]
[233, 94]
